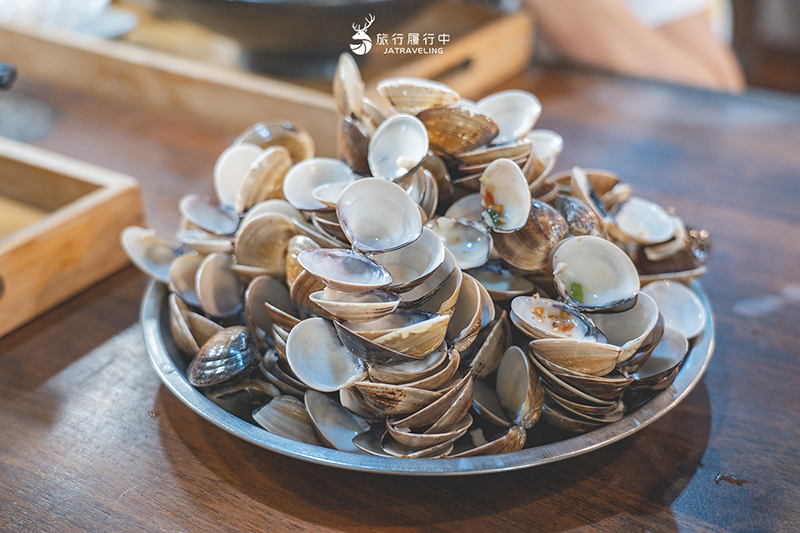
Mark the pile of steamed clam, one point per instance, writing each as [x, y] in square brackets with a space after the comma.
[432, 293]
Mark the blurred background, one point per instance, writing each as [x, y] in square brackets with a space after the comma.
[766, 33]
[767, 39]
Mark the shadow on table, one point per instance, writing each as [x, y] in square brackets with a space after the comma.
[628, 485]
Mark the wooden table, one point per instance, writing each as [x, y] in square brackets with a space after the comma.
[92, 441]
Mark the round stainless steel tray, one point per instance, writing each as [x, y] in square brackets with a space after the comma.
[170, 367]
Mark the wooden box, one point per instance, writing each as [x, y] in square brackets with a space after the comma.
[60, 221]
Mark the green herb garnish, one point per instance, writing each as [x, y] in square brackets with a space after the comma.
[576, 291]
[495, 216]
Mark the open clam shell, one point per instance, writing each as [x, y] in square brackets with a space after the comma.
[592, 274]
[397, 147]
[257, 317]
[419, 339]
[681, 307]
[344, 270]
[231, 169]
[500, 282]
[590, 390]
[641, 221]
[396, 399]
[441, 413]
[478, 159]
[204, 242]
[348, 87]
[335, 425]
[628, 329]
[505, 197]
[151, 254]
[366, 348]
[659, 371]
[492, 348]
[547, 146]
[465, 322]
[319, 359]
[182, 276]
[414, 263]
[378, 215]
[543, 318]
[189, 329]
[434, 294]
[219, 289]
[208, 215]
[404, 435]
[469, 243]
[303, 177]
[294, 138]
[514, 111]
[519, 391]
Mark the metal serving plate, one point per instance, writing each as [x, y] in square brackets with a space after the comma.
[170, 366]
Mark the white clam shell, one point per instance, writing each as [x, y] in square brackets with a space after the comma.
[642, 222]
[414, 263]
[208, 214]
[681, 307]
[542, 318]
[305, 176]
[500, 282]
[344, 270]
[467, 208]
[628, 329]
[219, 288]
[519, 391]
[514, 111]
[182, 274]
[378, 215]
[504, 189]
[317, 357]
[335, 425]
[231, 170]
[397, 147]
[660, 369]
[150, 253]
[598, 269]
[469, 243]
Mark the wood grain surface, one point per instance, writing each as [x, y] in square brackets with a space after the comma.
[92, 441]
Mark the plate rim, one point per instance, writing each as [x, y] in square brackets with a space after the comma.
[154, 311]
